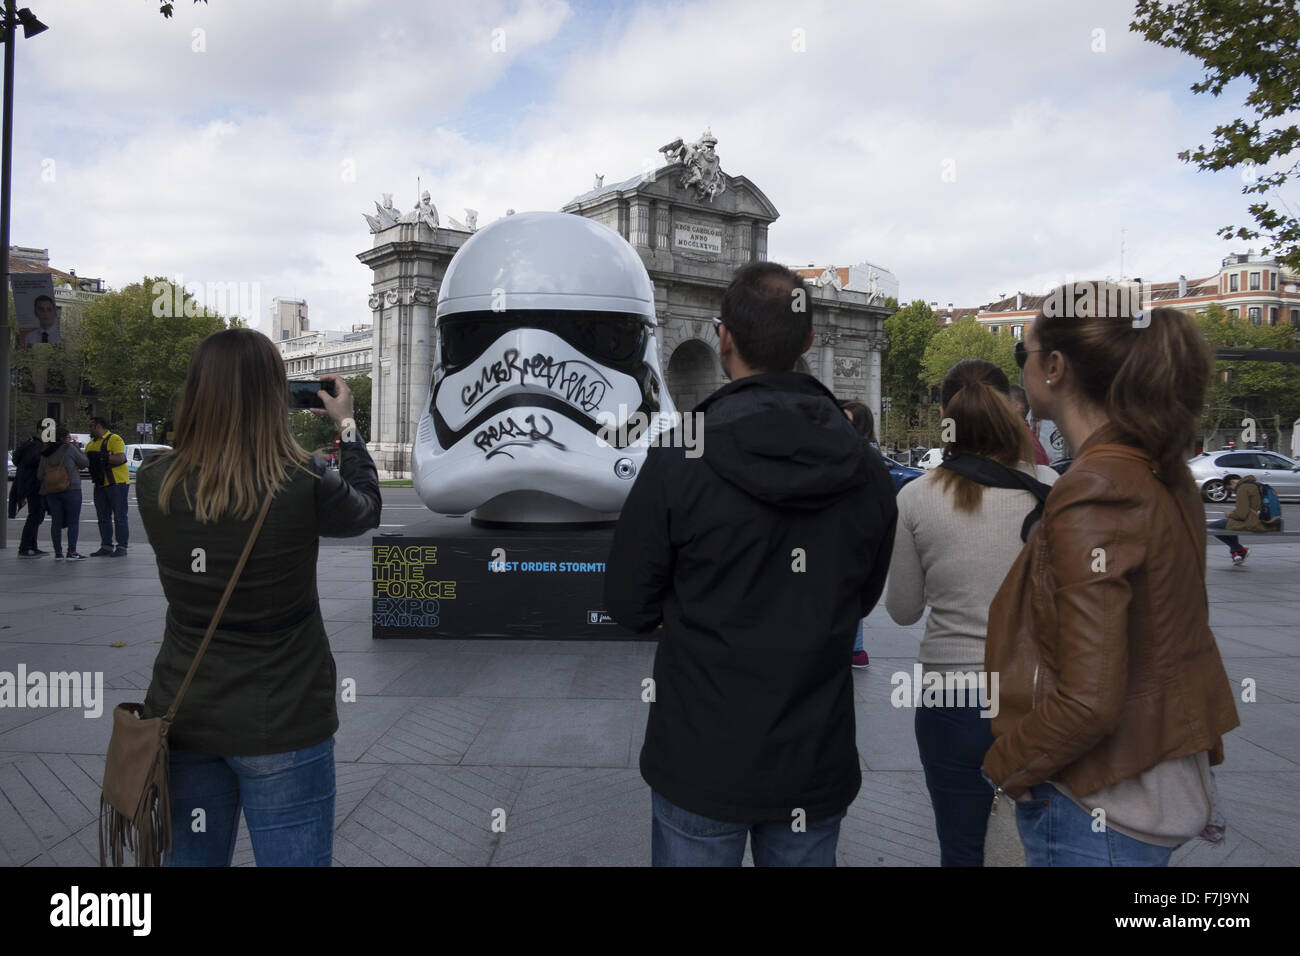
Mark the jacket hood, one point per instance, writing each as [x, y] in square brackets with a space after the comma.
[782, 438]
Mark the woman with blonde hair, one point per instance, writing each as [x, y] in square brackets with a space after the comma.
[956, 539]
[1114, 697]
[256, 727]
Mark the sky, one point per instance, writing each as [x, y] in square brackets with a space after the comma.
[974, 148]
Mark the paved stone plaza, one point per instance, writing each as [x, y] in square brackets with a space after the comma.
[443, 733]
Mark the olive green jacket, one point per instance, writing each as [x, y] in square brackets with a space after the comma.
[1246, 515]
[267, 683]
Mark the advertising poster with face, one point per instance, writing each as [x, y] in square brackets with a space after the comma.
[37, 315]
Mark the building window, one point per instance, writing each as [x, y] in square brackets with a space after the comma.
[1272, 282]
[1272, 315]
[1254, 282]
[1254, 313]
[1017, 331]
[1234, 313]
[1232, 282]
[1295, 318]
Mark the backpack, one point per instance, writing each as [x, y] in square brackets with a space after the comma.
[101, 472]
[56, 476]
[1270, 508]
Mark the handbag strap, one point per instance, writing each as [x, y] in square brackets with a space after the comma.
[216, 618]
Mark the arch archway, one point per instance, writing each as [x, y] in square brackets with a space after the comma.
[693, 374]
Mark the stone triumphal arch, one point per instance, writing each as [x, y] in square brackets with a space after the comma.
[691, 223]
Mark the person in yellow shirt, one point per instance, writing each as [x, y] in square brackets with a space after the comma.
[112, 480]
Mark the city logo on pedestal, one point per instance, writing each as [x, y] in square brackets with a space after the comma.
[545, 330]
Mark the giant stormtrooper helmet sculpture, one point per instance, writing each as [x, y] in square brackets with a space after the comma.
[545, 339]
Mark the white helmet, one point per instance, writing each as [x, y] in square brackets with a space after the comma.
[545, 332]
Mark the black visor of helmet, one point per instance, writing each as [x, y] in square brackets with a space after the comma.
[615, 339]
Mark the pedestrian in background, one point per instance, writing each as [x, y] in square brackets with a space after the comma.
[955, 542]
[1114, 698]
[59, 473]
[860, 415]
[26, 492]
[111, 478]
[255, 730]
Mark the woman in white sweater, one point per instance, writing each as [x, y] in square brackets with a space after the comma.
[955, 542]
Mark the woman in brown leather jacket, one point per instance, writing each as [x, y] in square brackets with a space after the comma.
[1114, 699]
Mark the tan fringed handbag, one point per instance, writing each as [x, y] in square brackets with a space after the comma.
[135, 807]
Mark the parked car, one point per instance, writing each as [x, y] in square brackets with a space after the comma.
[1210, 468]
[136, 455]
[901, 474]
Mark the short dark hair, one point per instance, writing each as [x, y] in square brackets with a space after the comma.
[100, 421]
[863, 420]
[767, 310]
[46, 298]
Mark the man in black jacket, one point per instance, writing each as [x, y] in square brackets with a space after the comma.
[26, 489]
[759, 558]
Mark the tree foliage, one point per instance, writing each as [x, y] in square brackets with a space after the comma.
[317, 433]
[1264, 390]
[968, 339]
[137, 335]
[1257, 40]
[907, 333]
[167, 9]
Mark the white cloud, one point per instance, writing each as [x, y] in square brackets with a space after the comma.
[227, 165]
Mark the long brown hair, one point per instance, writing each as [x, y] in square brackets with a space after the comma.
[232, 427]
[1148, 372]
[977, 397]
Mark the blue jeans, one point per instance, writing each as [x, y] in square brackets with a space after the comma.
[953, 742]
[1058, 832]
[681, 838]
[857, 644]
[65, 512]
[110, 508]
[1231, 540]
[287, 800]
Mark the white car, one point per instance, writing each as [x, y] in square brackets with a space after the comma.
[931, 459]
[1211, 468]
[136, 454]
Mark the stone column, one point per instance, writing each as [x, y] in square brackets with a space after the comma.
[421, 360]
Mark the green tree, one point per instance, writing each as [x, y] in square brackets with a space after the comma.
[907, 334]
[139, 335]
[317, 432]
[968, 339]
[1258, 40]
[360, 385]
[1266, 391]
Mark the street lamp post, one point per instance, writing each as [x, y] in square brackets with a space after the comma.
[144, 401]
[31, 27]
